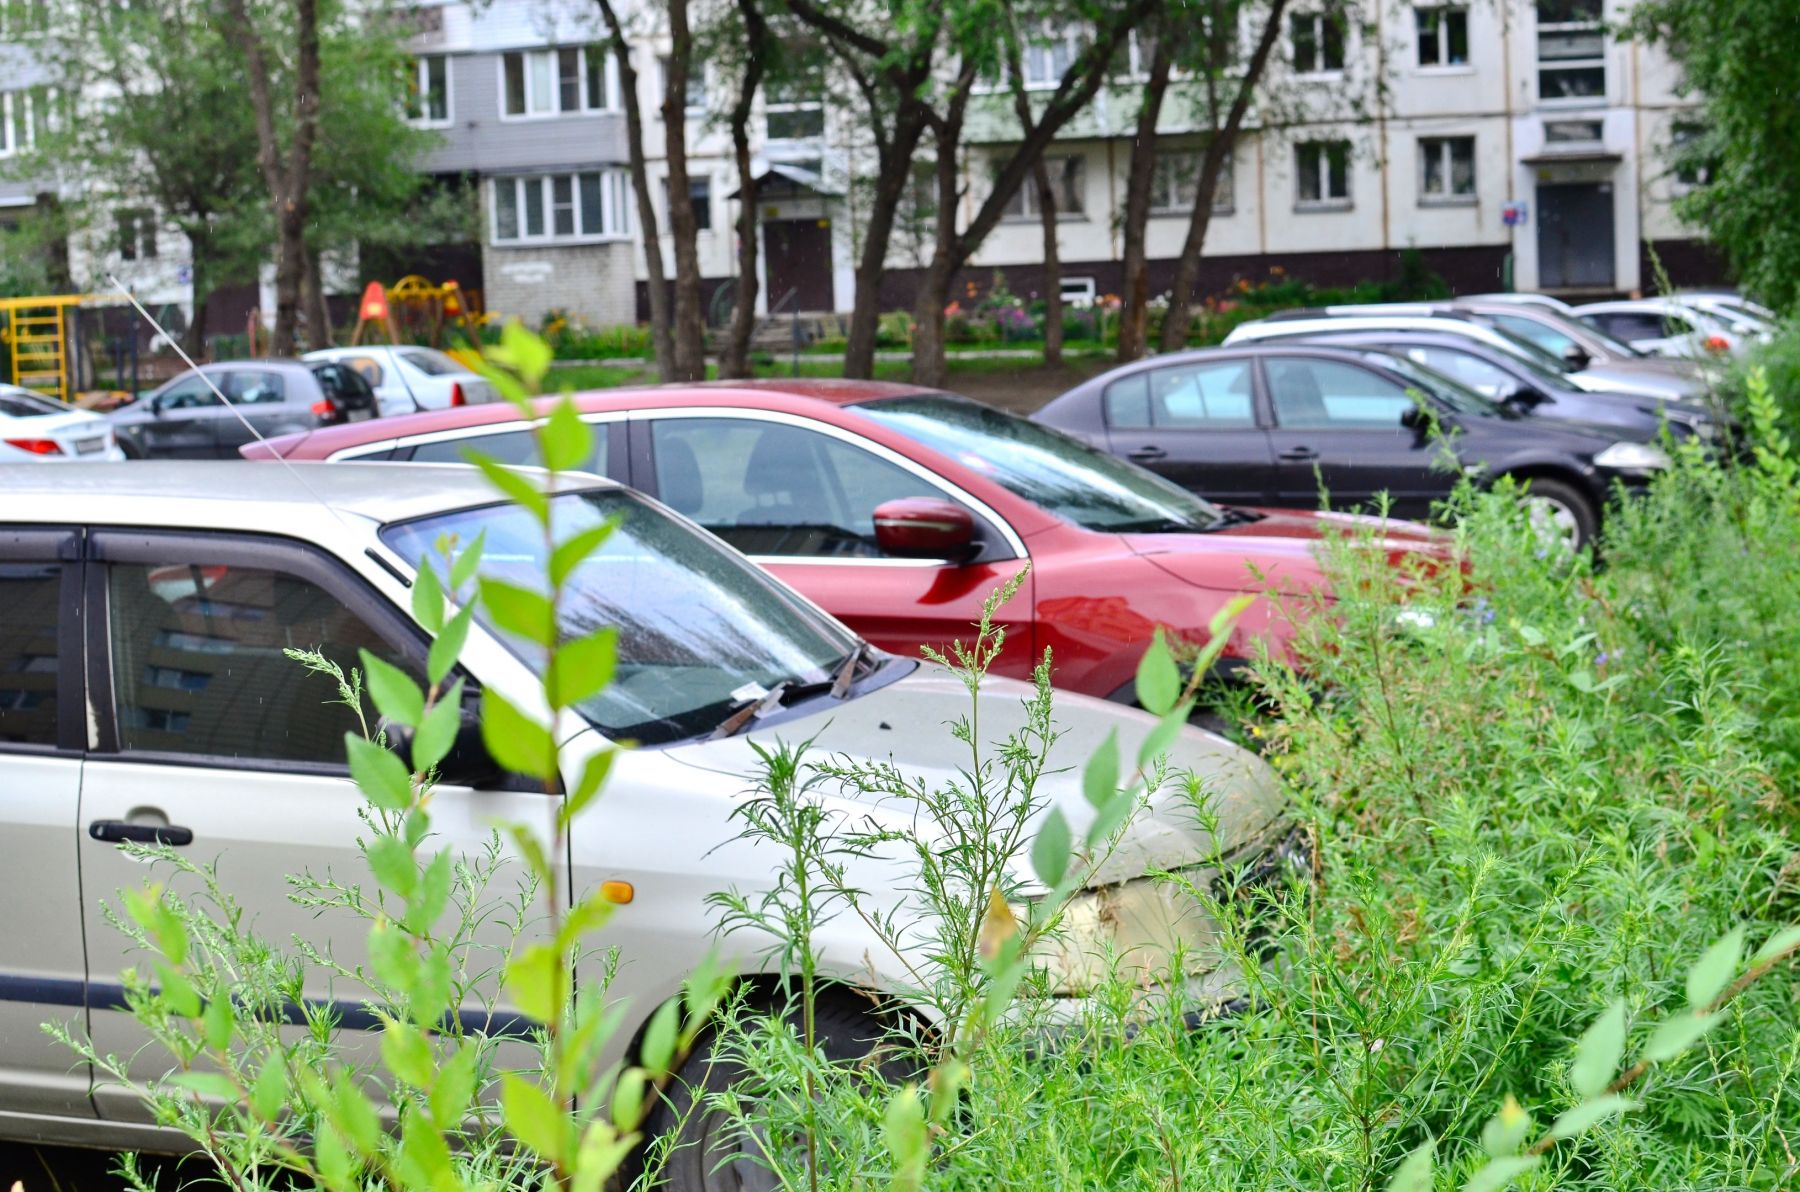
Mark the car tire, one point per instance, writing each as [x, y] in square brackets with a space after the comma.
[707, 1157]
[130, 451]
[1564, 509]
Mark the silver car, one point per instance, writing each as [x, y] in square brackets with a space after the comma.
[185, 419]
[145, 696]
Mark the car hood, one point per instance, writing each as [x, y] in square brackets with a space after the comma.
[1630, 377]
[908, 724]
[1279, 545]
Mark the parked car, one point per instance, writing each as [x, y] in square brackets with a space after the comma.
[1524, 298]
[1727, 302]
[156, 601]
[185, 419]
[1667, 327]
[407, 379]
[35, 428]
[899, 509]
[1270, 423]
[1534, 391]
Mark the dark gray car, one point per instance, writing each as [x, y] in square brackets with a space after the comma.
[186, 420]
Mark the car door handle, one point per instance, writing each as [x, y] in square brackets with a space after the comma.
[1298, 455]
[1144, 455]
[115, 831]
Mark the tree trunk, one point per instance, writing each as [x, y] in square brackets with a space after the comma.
[929, 366]
[661, 337]
[734, 359]
[1046, 197]
[318, 309]
[1134, 319]
[892, 178]
[688, 331]
[1219, 147]
[201, 270]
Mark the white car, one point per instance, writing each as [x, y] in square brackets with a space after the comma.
[39, 429]
[153, 601]
[1521, 298]
[407, 379]
[1669, 327]
[1337, 320]
[1728, 301]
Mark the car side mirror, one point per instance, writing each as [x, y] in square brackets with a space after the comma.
[1576, 358]
[1413, 418]
[924, 528]
[156, 405]
[468, 763]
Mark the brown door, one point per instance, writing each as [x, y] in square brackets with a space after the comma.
[799, 260]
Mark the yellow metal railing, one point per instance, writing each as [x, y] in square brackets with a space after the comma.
[36, 332]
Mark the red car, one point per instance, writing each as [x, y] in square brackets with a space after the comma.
[898, 509]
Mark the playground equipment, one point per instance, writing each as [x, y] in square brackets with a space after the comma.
[42, 337]
[413, 309]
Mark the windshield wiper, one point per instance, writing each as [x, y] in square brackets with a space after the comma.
[840, 685]
[751, 709]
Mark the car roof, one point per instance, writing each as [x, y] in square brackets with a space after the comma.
[241, 495]
[837, 390]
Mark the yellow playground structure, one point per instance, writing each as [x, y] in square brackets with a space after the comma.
[41, 335]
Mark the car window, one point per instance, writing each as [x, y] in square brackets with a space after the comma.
[14, 404]
[509, 447]
[1214, 394]
[1486, 379]
[200, 662]
[32, 595]
[190, 392]
[1631, 325]
[367, 367]
[256, 387]
[431, 363]
[1677, 324]
[1311, 394]
[1542, 334]
[773, 489]
[342, 383]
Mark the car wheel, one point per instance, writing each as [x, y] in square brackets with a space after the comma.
[130, 449]
[709, 1154]
[1560, 512]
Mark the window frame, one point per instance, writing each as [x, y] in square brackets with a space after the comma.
[1596, 27]
[1443, 147]
[62, 546]
[1275, 423]
[1320, 21]
[1440, 15]
[301, 560]
[1224, 194]
[615, 210]
[421, 70]
[1322, 169]
[1023, 204]
[584, 59]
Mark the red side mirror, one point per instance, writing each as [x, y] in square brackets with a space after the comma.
[924, 528]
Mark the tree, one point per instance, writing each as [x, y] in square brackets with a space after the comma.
[1047, 213]
[1140, 177]
[753, 30]
[661, 336]
[687, 360]
[1745, 165]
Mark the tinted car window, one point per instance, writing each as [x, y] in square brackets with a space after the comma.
[28, 405]
[509, 447]
[1327, 393]
[773, 489]
[1631, 325]
[31, 596]
[188, 393]
[255, 387]
[200, 663]
[1214, 394]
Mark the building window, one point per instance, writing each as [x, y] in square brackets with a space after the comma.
[1446, 169]
[1177, 180]
[1068, 180]
[1318, 43]
[1571, 46]
[1322, 174]
[591, 205]
[429, 101]
[22, 115]
[1048, 57]
[1694, 162]
[136, 234]
[556, 82]
[699, 198]
[794, 111]
[1443, 36]
[695, 103]
[20, 17]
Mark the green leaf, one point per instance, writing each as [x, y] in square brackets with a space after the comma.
[455, 1088]
[396, 696]
[1588, 1114]
[524, 351]
[425, 906]
[336, 1166]
[392, 957]
[532, 981]
[517, 487]
[582, 667]
[217, 1023]
[407, 1054]
[1050, 851]
[423, 1160]
[904, 1132]
[1158, 680]
[177, 990]
[1505, 1132]
[593, 778]
[380, 775]
[1107, 821]
[533, 1118]
[392, 864]
[516, 741]
[530, 850]
[352, 1113]
[447, 647]
[658, 1051]
[1715, 968]
[603, 1151]
[206, 1084]
[428, 599]
[1162, 738]
[1500, 1172]
[520, 611]
[575, 550]
[1218, 631]
[437, 729]
[268, 1092]
[1100, 777]
[1678, 1034]
[628, 1100]
[462, 568]
[1597, 1055]
[1414, 1172]
[568, 441]
[1785, 940]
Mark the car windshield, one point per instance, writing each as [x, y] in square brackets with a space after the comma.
[431, 363]
[1447, 389]
[16, 403]
[1547, 365]
[1046, 467]
[700, 630]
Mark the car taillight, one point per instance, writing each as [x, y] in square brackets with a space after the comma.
[456, 394]
[323, 408]
[37, 446]
[1717, 343]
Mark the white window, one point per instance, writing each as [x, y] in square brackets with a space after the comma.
[21, 116]
[1693, 163]
[1177, 180]
[1571, 47]
[694, 103]
[699, 199]
[590, 205]
[1322, 174]
[554, 82]
[1068, 179]
[1049, 55]
[794, 110]
[1443, 36]
[1318, 41]
[1446, 169]
[1080, 291]
[136, 234]
[429, 102]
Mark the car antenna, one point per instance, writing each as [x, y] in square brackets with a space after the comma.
[218, 393]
